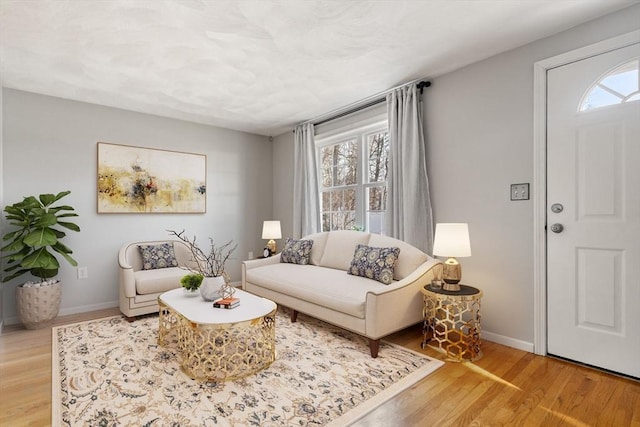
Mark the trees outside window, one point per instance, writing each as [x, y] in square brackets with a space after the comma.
[353, 181]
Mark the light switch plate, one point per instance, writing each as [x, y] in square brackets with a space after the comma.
[520, 191]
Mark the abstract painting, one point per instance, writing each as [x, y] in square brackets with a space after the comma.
[146, 180]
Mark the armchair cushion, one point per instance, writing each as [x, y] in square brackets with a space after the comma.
[158, 256]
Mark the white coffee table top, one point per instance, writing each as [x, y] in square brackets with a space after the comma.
[197, 310]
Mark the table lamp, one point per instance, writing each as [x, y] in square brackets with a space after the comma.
[271, 230]
[452, 240]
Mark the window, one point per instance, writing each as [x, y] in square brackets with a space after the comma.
[353, 181]
[616, 87]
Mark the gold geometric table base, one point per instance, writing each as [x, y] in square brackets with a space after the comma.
[453, 322]
[221, 351]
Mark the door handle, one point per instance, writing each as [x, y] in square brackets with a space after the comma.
[557, 228]
[557, 208]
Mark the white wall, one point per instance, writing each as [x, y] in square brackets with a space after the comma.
[50, 145]
[479, 130]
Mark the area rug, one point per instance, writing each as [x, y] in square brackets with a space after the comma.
[110, 372]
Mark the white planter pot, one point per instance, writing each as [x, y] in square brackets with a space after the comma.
[191, 293]
[210, 287]
[38, 305]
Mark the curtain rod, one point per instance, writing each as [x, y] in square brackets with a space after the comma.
[364, 103]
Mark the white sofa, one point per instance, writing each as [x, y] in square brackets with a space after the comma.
[139, 289]
[324, 290]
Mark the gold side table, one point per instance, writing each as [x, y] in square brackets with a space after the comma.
[452, 320]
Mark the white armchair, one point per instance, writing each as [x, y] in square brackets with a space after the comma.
[139, 289]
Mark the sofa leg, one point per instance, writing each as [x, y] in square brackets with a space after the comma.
[374, 346]
[294, 316]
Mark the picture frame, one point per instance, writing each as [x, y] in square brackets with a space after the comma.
[148, 180]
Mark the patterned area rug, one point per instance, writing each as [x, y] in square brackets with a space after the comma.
[109, 372]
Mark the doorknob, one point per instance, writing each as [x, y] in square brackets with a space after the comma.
[557, 228]
[557, 208]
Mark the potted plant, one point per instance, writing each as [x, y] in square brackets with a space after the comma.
[209, 264]
[191, 282]
[32, 248]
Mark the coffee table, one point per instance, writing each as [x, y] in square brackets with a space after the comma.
[218, 344]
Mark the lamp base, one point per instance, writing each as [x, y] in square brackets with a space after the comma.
[451, 274]
[451, 287]
[271, 245]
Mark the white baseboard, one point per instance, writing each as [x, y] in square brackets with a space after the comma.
[85, 308]
[71, 310]
[508, 341]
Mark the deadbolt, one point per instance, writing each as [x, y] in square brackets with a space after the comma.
[557, 228]
[557, 208]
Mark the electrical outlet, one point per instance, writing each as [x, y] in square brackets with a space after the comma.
[83, 273]
[250, 255]
[520, 191]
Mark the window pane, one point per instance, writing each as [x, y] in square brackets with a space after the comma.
[375, 220]
[378, 149]
[326, 222]
[338, 209]
[339, 164]
[377, 198]
[618, 86]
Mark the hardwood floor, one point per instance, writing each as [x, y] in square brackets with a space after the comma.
[507, 387]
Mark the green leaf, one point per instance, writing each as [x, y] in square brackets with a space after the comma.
[40, 259]
[69, 225]
[14, 275]
[61, 208]
[14, 235]
[40, 237]
[61, 194]
[66, 215]
[61, 248]
[47, 199]
[46, 220]
[44, 273]
[69, 259]
[19, 252]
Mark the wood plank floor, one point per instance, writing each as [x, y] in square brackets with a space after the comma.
[506, 387]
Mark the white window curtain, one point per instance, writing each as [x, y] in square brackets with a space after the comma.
[409, 216]
[306, 196]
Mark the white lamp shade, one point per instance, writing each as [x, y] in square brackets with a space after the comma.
[452, 240]
[271, 230]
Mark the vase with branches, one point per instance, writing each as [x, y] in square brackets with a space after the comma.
[209, 262]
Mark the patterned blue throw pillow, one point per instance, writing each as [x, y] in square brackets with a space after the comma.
[158, 256]
[296, 251]
[374, 263]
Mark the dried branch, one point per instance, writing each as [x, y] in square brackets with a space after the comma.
[211, 264]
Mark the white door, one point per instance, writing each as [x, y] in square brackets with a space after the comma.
[593, 211]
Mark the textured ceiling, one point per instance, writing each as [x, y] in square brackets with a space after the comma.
[259, 66]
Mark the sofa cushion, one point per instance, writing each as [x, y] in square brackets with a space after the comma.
[319, 242]
[157, 256]
[410, 257]
[325, 287]
[296, 251]
[374, 263]
[158, 280]
[338, 251]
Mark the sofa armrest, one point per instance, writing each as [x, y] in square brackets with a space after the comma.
[255, 263]
[125, 275]
[400, 304]
[417, 274]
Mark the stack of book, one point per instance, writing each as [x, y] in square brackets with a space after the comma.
[227, 303]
